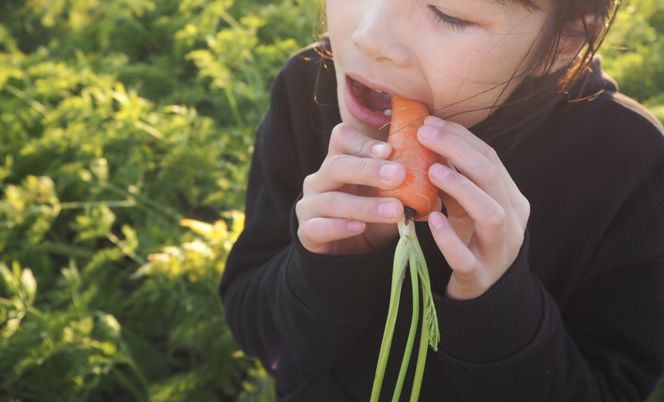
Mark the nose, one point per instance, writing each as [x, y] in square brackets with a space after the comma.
[378, 34]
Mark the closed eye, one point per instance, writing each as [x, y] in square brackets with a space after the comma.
[453, 22]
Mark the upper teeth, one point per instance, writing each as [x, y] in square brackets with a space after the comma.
[387, 112]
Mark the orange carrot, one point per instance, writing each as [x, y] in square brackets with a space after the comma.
[416, 191]
[418, 195]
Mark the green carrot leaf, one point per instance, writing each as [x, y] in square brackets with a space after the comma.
[429, 308]
[413, 327]
[398, 273]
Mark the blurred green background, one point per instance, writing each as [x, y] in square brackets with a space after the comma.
[126, 128]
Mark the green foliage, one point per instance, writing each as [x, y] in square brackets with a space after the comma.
[126, 129]
[127, 126]
[633, 52]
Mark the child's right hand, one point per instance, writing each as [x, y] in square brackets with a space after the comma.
[337, 213]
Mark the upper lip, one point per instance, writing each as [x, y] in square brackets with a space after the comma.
[371, 84]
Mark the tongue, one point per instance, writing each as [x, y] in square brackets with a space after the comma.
[373, 100]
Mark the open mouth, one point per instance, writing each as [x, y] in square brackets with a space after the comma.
[369, 106]
[373, 99]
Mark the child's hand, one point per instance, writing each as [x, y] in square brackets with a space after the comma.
[337, 214]
[487, 214]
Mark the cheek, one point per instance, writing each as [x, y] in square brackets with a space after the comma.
[473, 73]
[463, 75]
[339, 35]
[339, 22]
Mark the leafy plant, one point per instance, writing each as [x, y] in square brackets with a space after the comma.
[633, 53]
[126, 132]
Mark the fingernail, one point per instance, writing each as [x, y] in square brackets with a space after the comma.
[434, 121]
[427, 132]
[379, 149]
[388, 210]
[436, 220]
[438, 170]
[389, 170]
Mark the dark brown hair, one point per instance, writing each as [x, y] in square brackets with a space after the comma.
[595, 18]
[584, 22]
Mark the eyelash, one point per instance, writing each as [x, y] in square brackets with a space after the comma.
[454, 23]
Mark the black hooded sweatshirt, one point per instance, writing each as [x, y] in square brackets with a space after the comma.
[579, 316]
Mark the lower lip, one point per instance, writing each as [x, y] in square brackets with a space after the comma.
[364, 115]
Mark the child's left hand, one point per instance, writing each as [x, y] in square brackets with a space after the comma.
[486, 213]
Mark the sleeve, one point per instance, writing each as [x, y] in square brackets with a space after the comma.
[297, 311]
[606, 343]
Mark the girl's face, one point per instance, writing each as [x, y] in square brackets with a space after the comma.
[454, 55]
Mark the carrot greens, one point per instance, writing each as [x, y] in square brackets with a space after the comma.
[408, 254]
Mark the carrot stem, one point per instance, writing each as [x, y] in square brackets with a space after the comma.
[408, 253]
[429, 310]
[430, 333]
[398, 274]
[413, 327]
[421, 360]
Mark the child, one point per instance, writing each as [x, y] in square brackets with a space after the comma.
[547, 256]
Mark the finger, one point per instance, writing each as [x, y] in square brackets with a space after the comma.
[470, 160]
[488, 214]
[339, 170]
[346, 139]
[463, 224]
[453, 210]
[519, 203]
[315, 233]
[456, 253]
[460, 131]
[334, 204]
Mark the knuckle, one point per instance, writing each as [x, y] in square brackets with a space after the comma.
[464, 266]
[308, 181]
[365, 147]
[520, 237]
[346, 139]
[491, 173]
[345, 135]
[303, 233]
[524, 212]
[496, 218]
[338, 135]
[311, 233]
[525, 206]
[360, 169]
[335, 162]
[367, 210]
[299, 206]
[491, 153]
[366, 168]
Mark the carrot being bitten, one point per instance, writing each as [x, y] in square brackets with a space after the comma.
[416, 191]
[419, 197]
